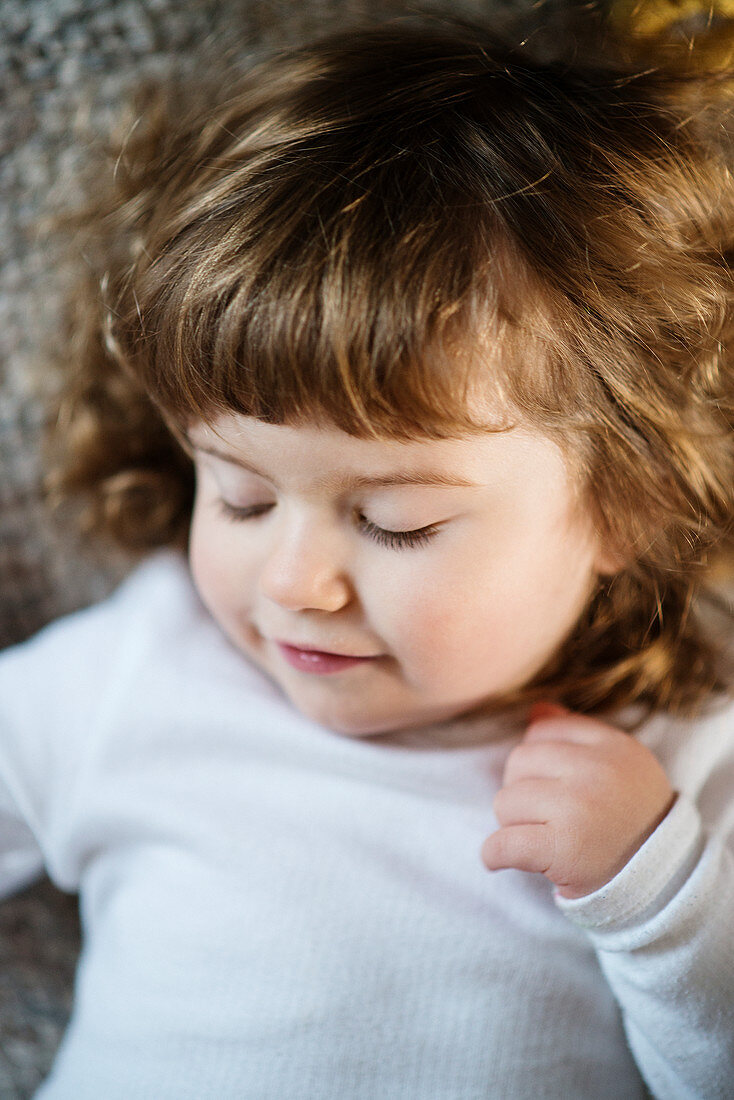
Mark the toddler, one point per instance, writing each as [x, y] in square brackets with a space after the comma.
[409, 376]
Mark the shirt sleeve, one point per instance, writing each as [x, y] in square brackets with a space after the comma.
[28, 702]
[51, 689]
[60, 693]
[25, 756]
[662, 931]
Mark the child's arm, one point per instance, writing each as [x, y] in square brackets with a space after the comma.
[52, 688]
[592, 808]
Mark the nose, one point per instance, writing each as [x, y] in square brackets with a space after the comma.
[305, 569]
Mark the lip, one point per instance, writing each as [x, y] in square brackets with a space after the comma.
[317, 661]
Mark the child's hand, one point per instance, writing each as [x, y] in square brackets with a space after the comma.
[579, 798]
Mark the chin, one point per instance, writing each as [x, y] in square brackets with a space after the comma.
[347, 724]
[354, 725]
[358, 724]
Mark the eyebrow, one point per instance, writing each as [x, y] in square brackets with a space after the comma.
[344, 481]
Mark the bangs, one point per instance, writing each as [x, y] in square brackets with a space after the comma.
[322, 252]
[326, 298]
[396, 235]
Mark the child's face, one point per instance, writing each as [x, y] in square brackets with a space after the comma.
[298, 544]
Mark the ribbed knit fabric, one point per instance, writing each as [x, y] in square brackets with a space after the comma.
[272, 910]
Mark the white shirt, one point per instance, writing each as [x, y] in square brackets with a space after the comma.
[272, 910]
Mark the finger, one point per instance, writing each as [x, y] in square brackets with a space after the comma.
[529, 801]
[524, 847]
[572, 728]
[545, 760]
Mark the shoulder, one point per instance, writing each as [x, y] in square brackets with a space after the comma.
[160, 580]
[128, 679]
[76, 653]
[692, 746]
[57, 687]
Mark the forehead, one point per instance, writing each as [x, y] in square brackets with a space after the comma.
[312, 455]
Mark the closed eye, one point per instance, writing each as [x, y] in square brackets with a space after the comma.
[398, 540]
[238, 514]
[394, 540]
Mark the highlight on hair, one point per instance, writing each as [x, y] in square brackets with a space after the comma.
[377, 228]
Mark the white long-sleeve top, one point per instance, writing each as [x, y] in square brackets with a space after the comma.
[273, 910]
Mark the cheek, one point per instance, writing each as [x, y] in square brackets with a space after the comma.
[210, 561]
[201, 545]
[485, 618]
[428, 612]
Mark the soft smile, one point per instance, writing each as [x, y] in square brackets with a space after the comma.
[317, 661]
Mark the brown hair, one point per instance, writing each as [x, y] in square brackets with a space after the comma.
[368, 229]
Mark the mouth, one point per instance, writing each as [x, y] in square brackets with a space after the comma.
[318, 661]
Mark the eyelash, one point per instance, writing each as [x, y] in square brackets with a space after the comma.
[398, 540]
[394, 540]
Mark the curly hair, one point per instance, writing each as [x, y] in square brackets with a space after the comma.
[371, 228]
